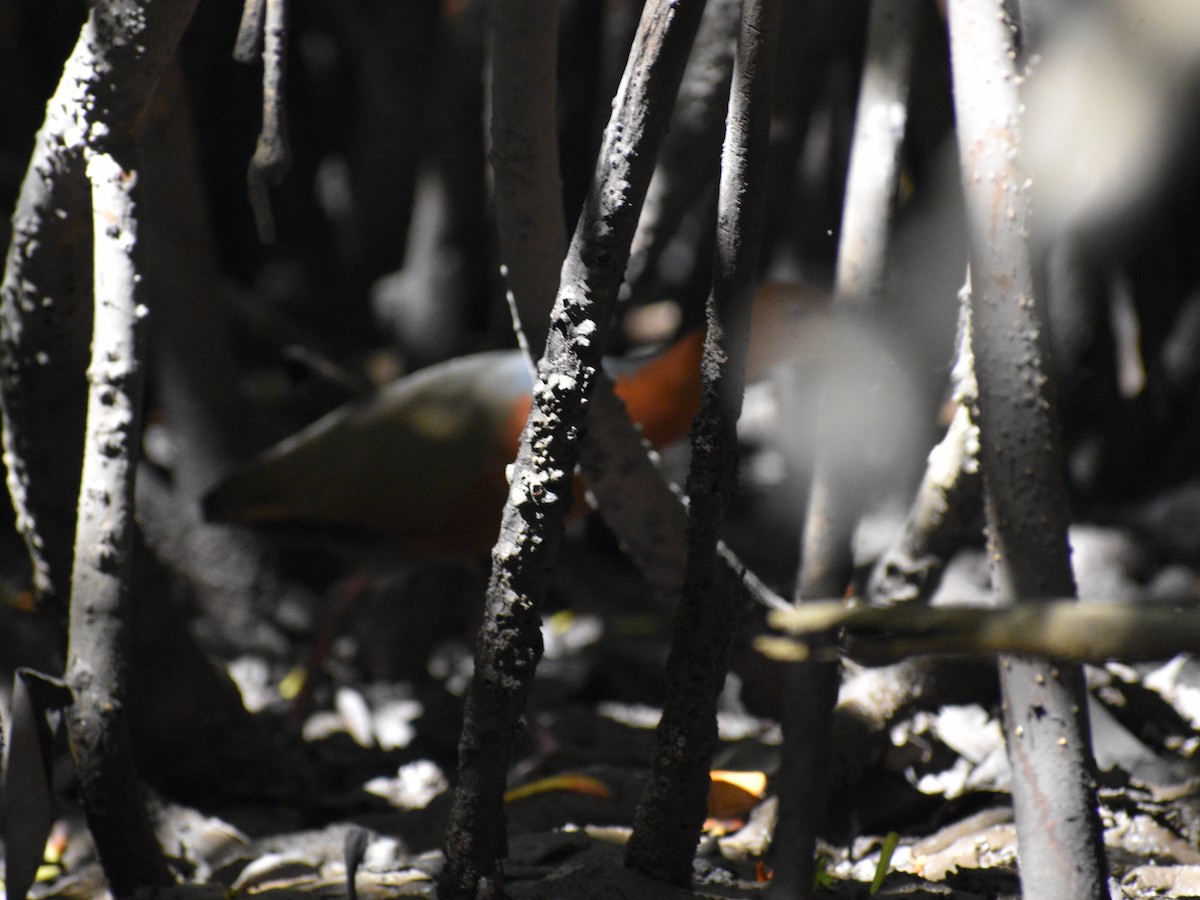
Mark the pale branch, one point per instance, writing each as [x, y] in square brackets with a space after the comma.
[946, 507]
[93, 117]
[45, 299]
[114, 798]
[272, 156]
[1062, 629]
[250, 31]
[862, 251]
[949, 499]
[874, 172]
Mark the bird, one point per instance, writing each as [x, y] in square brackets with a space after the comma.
[423, 459]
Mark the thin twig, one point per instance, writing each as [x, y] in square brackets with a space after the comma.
[250, 31]
[271, 154]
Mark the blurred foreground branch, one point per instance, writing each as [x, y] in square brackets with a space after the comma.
[838, 492]
[1060, 629]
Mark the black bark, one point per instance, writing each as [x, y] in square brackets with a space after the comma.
[531, 528]
[673, 806]
[525, 162]
[683, 192]
[642, 509]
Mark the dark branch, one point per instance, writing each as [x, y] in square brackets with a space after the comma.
[531, 528]
[673, 806]
[1045, 709]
